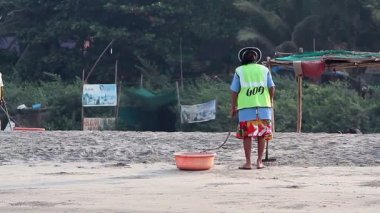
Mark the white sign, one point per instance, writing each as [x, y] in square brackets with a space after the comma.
[99, 95]
[199, 112]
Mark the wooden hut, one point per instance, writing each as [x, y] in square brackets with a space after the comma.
[314, 64]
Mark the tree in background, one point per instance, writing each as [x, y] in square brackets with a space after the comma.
[53, 34]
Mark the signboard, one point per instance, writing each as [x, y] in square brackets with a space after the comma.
[199, 112]
[99, 95]
[99, 123]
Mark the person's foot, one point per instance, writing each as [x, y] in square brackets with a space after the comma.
[260, 165]
[246, 166]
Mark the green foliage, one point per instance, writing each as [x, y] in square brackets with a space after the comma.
[285, 104]
[152, 78]
[209, 31]
[326, 108]
[333, 108]
[62, 100]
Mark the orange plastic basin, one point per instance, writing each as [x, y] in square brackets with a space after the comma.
[194, 160]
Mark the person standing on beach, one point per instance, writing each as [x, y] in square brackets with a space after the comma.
[252, 99]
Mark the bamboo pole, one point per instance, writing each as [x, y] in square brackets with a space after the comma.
[97, 61]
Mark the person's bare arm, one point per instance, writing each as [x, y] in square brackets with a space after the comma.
[271, 94]
[234, 97]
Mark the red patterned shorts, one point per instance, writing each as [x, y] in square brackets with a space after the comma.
[255, 128]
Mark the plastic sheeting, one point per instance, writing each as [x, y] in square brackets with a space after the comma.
[339, 55]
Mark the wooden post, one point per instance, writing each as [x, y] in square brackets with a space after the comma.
[82, 113]
[180, 53]
[270, 70]
[141, 80]
[117, 95]
[299, 104]
[297, 65]
[179, 105]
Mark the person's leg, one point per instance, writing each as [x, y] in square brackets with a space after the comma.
[247, 143]
[260, 152]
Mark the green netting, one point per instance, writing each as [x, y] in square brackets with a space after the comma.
[141, 92]
[148, 111]
[148, 100]
[140, 119]
[135, 118]
[333, 54]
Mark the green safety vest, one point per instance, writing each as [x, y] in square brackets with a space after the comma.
[254, 91]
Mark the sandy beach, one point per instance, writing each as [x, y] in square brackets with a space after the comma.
[75, 171]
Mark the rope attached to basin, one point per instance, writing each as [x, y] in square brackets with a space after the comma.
[221, 145]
